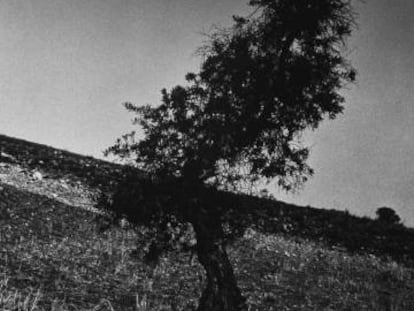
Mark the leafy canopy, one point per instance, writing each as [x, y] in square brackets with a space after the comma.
[262, 82]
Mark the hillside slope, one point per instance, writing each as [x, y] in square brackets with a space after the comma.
[335, 227]
[54, 257]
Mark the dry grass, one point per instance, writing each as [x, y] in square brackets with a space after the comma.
[301, 275]
[52, 257]
[15, 300]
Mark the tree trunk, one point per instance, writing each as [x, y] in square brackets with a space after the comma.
[221, 292]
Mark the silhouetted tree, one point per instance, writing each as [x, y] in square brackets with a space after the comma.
[238, 121]
[387, 215]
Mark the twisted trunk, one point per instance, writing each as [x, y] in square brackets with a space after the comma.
[221, 292]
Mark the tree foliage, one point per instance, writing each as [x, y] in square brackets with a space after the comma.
[261, 84]
[239, 119]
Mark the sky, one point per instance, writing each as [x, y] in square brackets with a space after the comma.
[67, 66]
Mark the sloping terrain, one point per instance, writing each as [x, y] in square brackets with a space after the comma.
[53, 255]
[338, 228]
[57, 163]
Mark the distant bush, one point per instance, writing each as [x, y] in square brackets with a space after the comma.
[387, 215]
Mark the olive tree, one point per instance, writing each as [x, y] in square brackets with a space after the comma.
[236, 122]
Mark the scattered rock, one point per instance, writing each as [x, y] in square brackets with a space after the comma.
[7, 157]
[37, 176]
[20, 169]
[63, 184]
[123, 223]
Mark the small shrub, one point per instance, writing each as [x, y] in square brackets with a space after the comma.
[387, 215]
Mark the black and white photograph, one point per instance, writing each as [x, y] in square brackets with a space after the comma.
[206, 155]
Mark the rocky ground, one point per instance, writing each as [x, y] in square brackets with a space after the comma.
[41, 161]
[66, 177]
[61, 189]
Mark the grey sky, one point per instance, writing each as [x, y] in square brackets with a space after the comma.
[66, 66]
